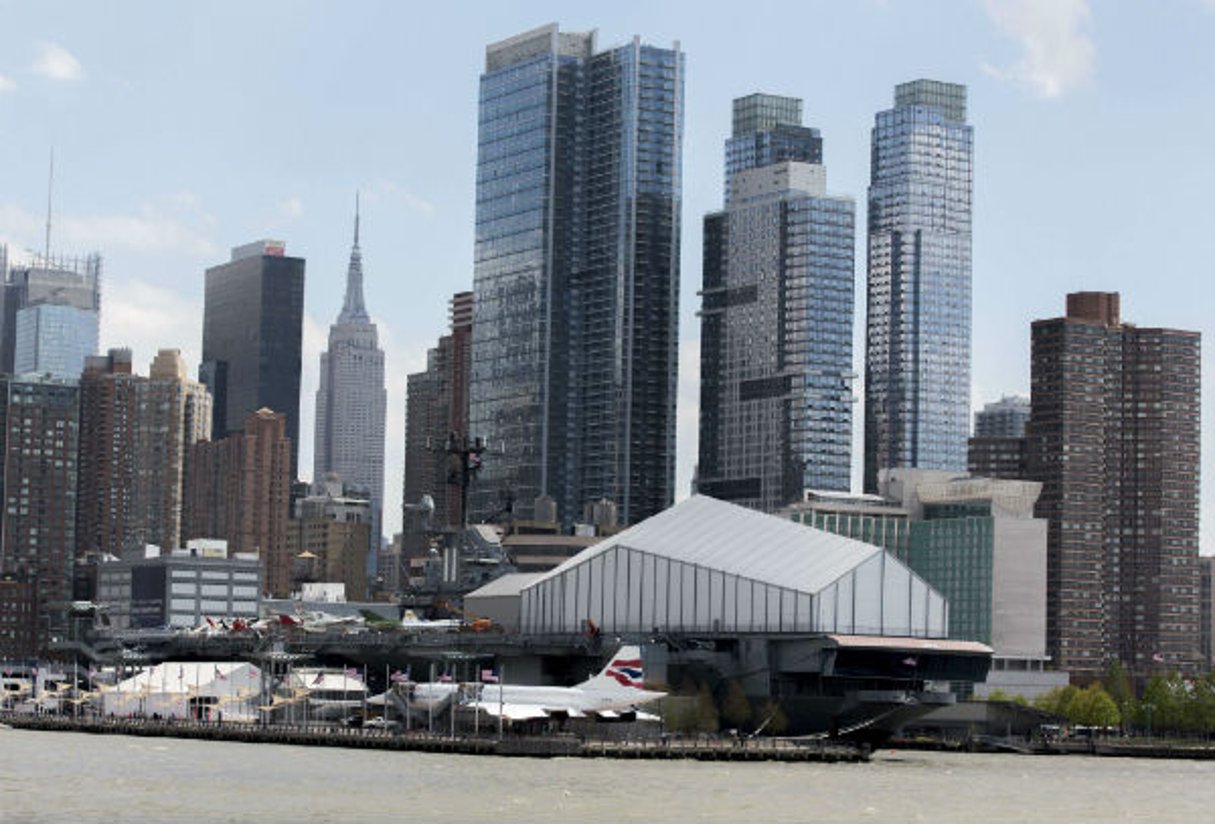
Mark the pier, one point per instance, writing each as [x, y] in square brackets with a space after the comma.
[538, 746]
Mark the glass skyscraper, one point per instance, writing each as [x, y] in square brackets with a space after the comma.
[917, 348]
[574, 357]
[776, 318]
[50, 316]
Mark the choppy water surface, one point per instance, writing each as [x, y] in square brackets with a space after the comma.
[48, 776]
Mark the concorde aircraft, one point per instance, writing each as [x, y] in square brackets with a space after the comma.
[615, 692]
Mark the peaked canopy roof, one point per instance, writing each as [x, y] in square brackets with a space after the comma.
[738, 541]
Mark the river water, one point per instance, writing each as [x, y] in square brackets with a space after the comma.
[52, 776]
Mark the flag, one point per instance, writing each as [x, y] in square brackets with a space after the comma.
[399, 677]
[320, 676]
[219, 674]
[210, 623]
[445, 678]
[488, 676]
[910, 661]
[1158, 658]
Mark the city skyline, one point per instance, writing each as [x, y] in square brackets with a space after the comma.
[1071, 192]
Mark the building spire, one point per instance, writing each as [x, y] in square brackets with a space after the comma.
[353, 310]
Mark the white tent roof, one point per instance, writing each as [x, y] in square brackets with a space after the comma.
[505, 585]
[187, 676]
[325, 681]
[738, 541]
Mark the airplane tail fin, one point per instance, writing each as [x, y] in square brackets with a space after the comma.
[623, 672]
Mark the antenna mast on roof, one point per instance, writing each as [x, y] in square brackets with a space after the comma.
[50, 180]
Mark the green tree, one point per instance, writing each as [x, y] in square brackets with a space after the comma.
[1117, 683]
[1202, 705]
[1093, 707]
[1164, 703]
[1057, 700]
[736, 708]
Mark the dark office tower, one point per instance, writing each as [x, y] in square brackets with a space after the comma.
[436, 419]
[240, 491]
[776, 317]
[252, 336]
[39, 425]
[351, 401]
[1114, 438]
[575, 353]
[917, 347]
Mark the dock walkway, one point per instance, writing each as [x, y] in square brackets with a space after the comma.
[540, 746]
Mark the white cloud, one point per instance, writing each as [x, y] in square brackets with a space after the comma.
[7, 84]
[56, 62]
[146, 318]
[388, 189]
[1059, 55]
[291, 208]
[174, 224]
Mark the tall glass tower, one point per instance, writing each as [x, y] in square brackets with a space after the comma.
[50, 316]
[574, 356]
[917, 347]
[776, 317]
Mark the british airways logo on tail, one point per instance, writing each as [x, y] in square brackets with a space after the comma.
[626, 671]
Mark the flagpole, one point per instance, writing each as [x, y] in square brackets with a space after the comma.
[501, 697]
[430, 705]
[477, 704]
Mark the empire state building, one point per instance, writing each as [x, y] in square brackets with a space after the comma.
[351, 400]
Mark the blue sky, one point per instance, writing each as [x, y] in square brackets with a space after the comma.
[181, 130]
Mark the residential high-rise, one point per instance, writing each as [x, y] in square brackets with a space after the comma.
[252, 337]
[776, 317]
[39, 420]
[1114, 438]
[436, 410]
[174, 414]
[135, 437]
[50, 316]
[575, 355]
[917, 347]
[328, 537]
[240, 491]
[351, 402]
[1005, 418]
[998, 448]
[109, 408]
